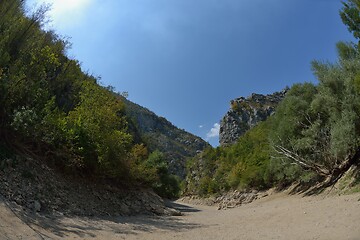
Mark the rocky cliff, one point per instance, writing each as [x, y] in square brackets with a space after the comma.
[159, 134]
[245, 113]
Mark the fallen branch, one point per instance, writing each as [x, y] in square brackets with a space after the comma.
[294, 157]
[331, 175]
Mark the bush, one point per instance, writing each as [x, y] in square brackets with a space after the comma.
[163, 183]
[242, 165]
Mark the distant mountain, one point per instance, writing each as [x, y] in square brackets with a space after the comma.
[159, 134]
[245, 113]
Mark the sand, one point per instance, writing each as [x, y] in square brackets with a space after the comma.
[278, 216]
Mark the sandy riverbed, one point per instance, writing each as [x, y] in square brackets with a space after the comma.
[278, 216]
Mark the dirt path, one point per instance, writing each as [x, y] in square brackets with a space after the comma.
[278, 216]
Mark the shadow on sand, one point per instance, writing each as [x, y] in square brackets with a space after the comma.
[50, 226]
[181, 207]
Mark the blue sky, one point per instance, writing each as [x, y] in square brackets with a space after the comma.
[186, 59]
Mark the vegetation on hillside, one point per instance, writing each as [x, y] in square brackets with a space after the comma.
[50, 109]
[241, 165]
[313, 136]
[159, 134]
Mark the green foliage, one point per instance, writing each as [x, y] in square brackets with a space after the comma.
[52, 108]
[314, 130]
[97, 130]
[165, 184]
[159, 134]
[288, 124]
[346, 51]
[350, 15]
[240, 166]
[319, 126]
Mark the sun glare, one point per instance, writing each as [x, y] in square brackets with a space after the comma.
[60, 7]
[65, 13]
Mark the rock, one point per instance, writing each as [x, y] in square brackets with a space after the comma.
[36, 206]
[172, 212]
[245, 113]
[125, 209]
[235, 198]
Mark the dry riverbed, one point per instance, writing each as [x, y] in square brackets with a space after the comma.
[278, 216]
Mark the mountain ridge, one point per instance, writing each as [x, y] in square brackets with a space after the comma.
[160, 134]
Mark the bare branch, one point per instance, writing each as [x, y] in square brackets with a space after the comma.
[295, 158]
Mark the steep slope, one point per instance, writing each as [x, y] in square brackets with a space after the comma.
[159, 134]
[245, 113]
[34, 186]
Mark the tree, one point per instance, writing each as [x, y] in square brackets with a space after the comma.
[321, 133]
[350, 15]
[96, 128]
[164, 183]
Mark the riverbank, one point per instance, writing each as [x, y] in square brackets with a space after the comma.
[277, 216]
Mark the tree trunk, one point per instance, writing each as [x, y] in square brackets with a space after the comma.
[341, 169]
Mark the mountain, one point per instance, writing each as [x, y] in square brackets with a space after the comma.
[245, 113]
[159, 134]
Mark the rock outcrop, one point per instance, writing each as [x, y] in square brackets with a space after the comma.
[245, 113]
[226, 200]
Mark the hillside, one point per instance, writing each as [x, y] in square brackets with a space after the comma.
[160, 134]
[55, 115]
[36, 187]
